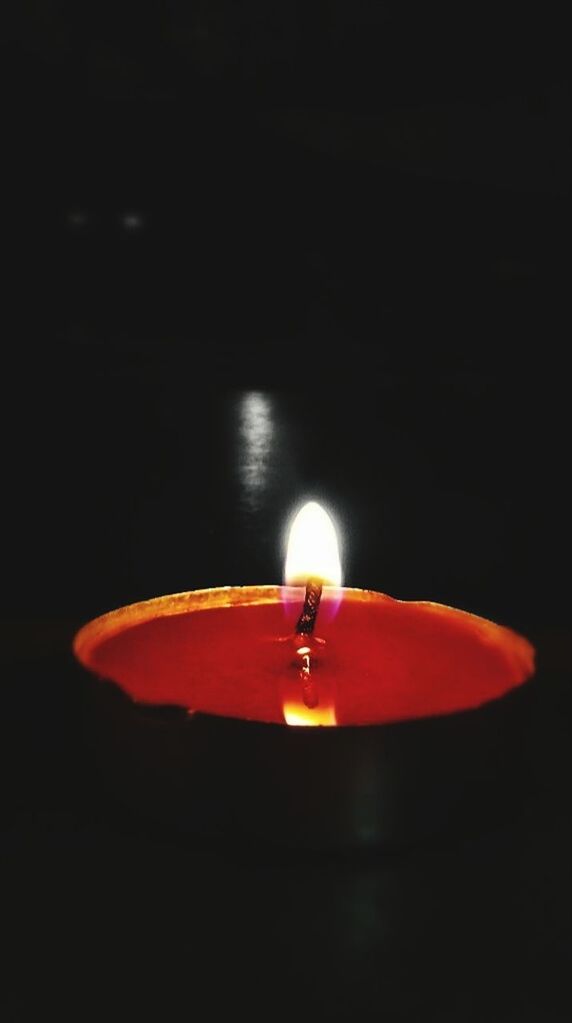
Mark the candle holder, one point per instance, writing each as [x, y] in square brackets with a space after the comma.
[384, 785]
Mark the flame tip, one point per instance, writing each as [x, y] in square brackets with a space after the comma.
[313, 549]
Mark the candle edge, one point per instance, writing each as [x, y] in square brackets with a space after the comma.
[119, 619]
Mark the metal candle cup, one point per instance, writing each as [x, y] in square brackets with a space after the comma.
[427, 699]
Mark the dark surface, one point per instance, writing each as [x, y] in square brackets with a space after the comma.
[331, 790]
[305, 254]
[148, 485]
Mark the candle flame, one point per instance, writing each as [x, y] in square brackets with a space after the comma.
[312, 561]
[313, 550]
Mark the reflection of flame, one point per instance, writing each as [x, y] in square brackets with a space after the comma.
[297, 714]
[313, 551]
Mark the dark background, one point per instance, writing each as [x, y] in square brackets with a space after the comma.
[259, 255]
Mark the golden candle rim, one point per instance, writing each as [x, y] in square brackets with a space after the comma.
[128, 616]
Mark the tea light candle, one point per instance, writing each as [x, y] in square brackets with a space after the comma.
[309, 653]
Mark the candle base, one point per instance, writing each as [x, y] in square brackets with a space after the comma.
[384, 786]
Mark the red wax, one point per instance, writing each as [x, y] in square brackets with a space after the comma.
[231, 652]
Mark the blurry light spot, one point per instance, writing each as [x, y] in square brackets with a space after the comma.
[256, 431]
[77, 218]
[132, 221]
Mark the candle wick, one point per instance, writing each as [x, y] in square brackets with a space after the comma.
[304, 629]
[307, 619]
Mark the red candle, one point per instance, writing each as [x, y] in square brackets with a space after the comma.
[241, 652]
[246, 661]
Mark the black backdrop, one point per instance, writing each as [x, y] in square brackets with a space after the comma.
[262, 255]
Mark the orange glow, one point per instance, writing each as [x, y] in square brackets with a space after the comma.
[307, 689]
[296, 713]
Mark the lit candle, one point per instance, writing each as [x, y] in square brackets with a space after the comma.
[305, 654]
[308, 653]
